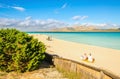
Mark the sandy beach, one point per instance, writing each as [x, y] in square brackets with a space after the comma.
[105, 58]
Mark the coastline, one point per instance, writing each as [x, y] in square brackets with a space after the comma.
[105, 58]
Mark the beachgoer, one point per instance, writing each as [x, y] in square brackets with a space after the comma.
[49, 38]
[90, 58]
[84, 57]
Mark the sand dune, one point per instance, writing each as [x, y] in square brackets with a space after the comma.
[105, 58]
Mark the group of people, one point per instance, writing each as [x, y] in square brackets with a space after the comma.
[87, 57]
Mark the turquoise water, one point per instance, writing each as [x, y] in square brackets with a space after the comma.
[103, 39]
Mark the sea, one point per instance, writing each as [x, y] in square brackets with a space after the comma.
[102, 39]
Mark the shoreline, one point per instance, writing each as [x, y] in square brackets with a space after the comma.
[105, 58]
[106, 40]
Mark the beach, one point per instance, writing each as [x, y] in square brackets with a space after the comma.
[105, 58]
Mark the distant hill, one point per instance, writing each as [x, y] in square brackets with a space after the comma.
[84, 29]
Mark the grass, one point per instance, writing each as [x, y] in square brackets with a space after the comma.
[2, 73]
[69, 75]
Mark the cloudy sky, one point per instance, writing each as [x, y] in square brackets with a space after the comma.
[31, 15]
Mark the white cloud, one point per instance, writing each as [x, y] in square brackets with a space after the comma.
[84, 17]
[76, 17]
[79, 17]
[102, 25]
[29, 24]
[58, 10]
[28, 18]
[14, 7]
[64, 6]
[95, 24]
[19, 8]
[114, 25]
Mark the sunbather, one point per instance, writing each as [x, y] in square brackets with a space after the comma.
[90, 58]
[84, 57]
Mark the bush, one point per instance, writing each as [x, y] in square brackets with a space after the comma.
[19, 51]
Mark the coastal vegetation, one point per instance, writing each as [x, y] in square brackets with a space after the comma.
[68, 74]
[19, 52]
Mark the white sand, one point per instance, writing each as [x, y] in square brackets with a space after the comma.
[105, 58]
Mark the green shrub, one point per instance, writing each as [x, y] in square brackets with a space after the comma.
[19, 51]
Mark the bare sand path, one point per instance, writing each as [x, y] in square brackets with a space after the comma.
[106, 58]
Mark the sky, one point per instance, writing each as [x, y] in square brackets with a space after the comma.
[30, 15]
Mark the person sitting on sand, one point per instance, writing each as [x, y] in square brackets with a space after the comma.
[49, 38]
[90, 58]
[84, 57]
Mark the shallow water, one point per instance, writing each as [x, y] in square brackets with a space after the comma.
[103, 39]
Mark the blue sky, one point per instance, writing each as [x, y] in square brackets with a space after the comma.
[69, 12]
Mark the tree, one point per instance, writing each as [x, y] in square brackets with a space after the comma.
[19, 51]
